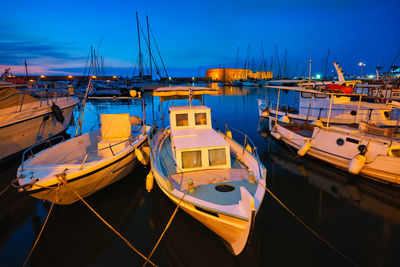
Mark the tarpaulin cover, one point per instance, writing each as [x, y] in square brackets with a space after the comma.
[115, 126]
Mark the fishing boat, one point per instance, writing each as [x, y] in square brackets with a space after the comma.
[216, 180]
[87, 162]
[30, 117]
[360, 148]
[308, 105]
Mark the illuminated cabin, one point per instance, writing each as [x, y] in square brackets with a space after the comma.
[197, 146]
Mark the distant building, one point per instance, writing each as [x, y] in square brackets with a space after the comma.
[228, 74]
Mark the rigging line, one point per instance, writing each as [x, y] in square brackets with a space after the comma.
[159, 54]
[308, 227]
[62, 179]
[149, 48]
[167, 226]
[44, 224]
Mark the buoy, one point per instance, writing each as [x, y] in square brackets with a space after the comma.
[356, 164]
[248, 147]
[149, 181]
[265, 113]
[318, 123]
[304, 149]
[57, 113]
[133, 93]
[284, 119]
[276, 135]
[139, 155]
[229, 134]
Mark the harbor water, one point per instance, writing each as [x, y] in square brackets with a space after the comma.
[359, 217]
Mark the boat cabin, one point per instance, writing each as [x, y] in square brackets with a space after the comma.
[195, 144]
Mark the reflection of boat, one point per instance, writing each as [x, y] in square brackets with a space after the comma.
[75, 237]
[88, 162]
[179, 250]
[26, 120]
[223, 180]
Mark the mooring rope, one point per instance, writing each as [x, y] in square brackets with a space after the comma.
[166, 227]
[63, 180]
[44, 225]
[308, 227]
[5, 189]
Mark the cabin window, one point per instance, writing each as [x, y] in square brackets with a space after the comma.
[191, 159]
[305, 95]
[217, 157]
[182, 120]
[200, 118]
[320, 95]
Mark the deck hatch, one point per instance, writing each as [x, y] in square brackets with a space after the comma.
[351, 140]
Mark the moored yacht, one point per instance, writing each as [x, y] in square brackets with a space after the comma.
[220, 182]
[28, 118]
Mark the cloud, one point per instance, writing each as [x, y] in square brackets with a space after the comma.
[15, 52]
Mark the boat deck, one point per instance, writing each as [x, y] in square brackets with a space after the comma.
[205, 181]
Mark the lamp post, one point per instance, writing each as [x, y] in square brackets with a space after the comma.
[361, 66]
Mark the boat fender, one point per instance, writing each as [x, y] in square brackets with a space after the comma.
[318, 123]
[356, 164]
[265, 113]
[276, 135]
[57, 113]
[285, 119]
[133, 93]
[229, 134]
[248, 147]
[139, 155]
[304, 149]
[149, 181]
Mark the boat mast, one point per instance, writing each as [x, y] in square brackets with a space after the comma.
[26, 70]
[148, 37]
[140, 50]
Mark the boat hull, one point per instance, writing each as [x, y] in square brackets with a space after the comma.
[383, 168]
[87, 181]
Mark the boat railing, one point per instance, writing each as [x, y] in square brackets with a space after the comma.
[46, 142]
[248, 144]
[43, 95]
[131, 140]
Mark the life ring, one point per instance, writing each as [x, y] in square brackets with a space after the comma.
[57, 113]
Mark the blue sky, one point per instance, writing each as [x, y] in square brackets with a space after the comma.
[55, 36]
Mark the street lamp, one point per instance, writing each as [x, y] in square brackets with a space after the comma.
[361, 66]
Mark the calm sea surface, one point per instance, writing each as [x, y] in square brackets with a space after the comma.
[359, 217]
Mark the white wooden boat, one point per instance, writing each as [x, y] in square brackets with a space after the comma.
[26, 120]
[362, 148]
[88, 162]
[223, 180]
[311, 105]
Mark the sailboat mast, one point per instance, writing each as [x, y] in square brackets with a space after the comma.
[140, 49]
[148, 37]
[26, 70]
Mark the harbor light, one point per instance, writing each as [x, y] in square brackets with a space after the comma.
[94, 77]
[114, 77]
[70, 76]
[361, 65]
[318, 76]
[42, 76]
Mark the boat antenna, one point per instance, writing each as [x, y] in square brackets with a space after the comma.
[79, 126]
[148, 37]
[140, 50]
